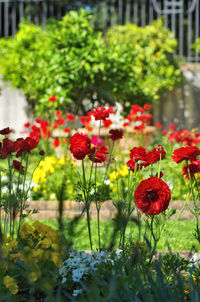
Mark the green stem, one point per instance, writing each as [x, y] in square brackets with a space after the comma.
[154, 239]
[107, 166]
[87, 204]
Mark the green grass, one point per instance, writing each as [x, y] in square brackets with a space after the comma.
[177, 235]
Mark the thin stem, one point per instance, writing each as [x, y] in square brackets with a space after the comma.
[154, 239]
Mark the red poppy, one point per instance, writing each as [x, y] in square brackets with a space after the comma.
[70, 117]
[107, 123]
[18, 166]
[52, 98]
[100, 113]
[185, 153]
[152, 196]
[194, 167]
[147, 107]
[56, 142]
[5, 131]
[80, 145]
[116, 134]
[98, 155]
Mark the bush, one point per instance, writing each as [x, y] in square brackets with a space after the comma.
[74, 62]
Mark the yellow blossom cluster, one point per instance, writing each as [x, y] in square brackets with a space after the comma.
[37, 244]
[47, 167]
[122, 172]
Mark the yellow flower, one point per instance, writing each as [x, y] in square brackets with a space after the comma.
[113, 175]
[123, 171]
[34, 275]
[11, 284]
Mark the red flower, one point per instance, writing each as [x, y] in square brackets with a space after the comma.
[70, 117]
[56, 142]
[98, 155]
[100, 113]
[152, 196]
[52, 98]
[5, 131]
[164, 132]
[154, 155]
[172, 126]
[111, 110]
[27, 125]
[126, 124]
[42, 153]
[85, 119]
[185, 153]
[139, 128]
[132, 164]
[80, 145]
[18, 166]
[60, 121]
[116, 134]
[58, 114]
[138, 153]
[147, 107]
[194, 167]
[67, 129]
[107, 123]
[8, 147]
[159, 125]
[25, 145]
[136, 108]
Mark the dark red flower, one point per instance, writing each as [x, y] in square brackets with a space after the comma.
[18, 166]
[147, 107]
[5, 131]
[42, 153]
[194, 167]
[116, 134]
[138, 153]
[185, 153]
[100, 113]
[80, 145]
[152, 196]
[52, 98]
[132, 165]
[107, 123]
[8, 147]
[98, 155]
[70, 117]
[25, 145]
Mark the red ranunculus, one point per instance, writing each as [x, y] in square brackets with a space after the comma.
[70, 117]
[107, 123]
[25, 145]
[27, 125]
[132, 164]
[80, 145]
[52, 98]
[154, 155]
[152, 196]
[194, 167]
[18, 166]
[147, 107]
[98, 155]
[185, 153]
[100, 113]
[116, 134]
[56, 142]
[8, 147]
[5, 131]
[138, 153]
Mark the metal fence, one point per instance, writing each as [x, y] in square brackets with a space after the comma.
[181, 17]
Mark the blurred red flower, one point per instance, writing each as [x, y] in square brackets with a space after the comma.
[5, 131]
[194, 167]
[185, 153]
[79, 145]
[52, 98]
[18, 166]
[100, 113]
[116, 134]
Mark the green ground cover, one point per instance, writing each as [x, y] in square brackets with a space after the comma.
[177, 235]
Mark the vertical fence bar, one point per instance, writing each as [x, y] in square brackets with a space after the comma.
[44, 14]
[21, 11]
[6, 20]
[112, 13]
[13, 18]
[150, 12]
[197, 28]
[1, 34]
[120, 12]
[36, 17]
[135, 12]
[128, 11]
[189, 35]
[51, 9]
[143, 14]
[181, 35]
[59, 10]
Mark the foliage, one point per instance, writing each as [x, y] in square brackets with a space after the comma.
[74, 62]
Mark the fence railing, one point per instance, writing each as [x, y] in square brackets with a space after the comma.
[181, 17]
